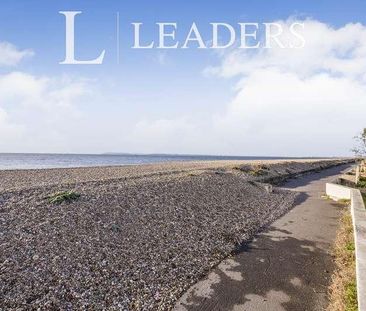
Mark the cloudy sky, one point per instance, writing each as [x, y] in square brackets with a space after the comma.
[267, 102]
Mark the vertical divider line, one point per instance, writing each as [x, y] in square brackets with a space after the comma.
[117, 39]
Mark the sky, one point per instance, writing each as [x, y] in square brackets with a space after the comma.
[264, 102]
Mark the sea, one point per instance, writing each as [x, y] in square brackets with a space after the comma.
[9, 161]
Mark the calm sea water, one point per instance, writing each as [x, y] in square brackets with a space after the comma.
[31, 161]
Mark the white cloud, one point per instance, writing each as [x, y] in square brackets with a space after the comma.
[293, 102]
[289, 102]
[19, 88]
[296, 102]
[39, 113]
[11, 56]
[9, 132]
[337, 51]
[163, 136]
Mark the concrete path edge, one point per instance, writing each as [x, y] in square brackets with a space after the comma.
[358, 212]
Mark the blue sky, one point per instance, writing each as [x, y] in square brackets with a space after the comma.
[38, 24]
[148, 87]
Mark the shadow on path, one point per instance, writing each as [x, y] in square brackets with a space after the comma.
[286, 267]
[282, 273]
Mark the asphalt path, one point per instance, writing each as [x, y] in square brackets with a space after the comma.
[286, 267]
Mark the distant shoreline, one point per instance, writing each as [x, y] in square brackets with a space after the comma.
[16, 161]
[33, 177]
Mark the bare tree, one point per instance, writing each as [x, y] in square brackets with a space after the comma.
[360, 149]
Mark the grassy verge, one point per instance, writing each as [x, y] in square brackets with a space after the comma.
[362, 182]
[342, 291]
[364, 197]
[362, 186]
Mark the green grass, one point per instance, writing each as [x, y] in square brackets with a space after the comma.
[350, 247]
[351, 297]
[65, 196]
[344, 201]
[343, 290]
[254, 170]
[364, 197]
[259, 170]
[362, 182]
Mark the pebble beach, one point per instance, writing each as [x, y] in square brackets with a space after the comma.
[137, 236]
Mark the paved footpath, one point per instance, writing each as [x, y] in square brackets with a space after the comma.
[286, 267]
